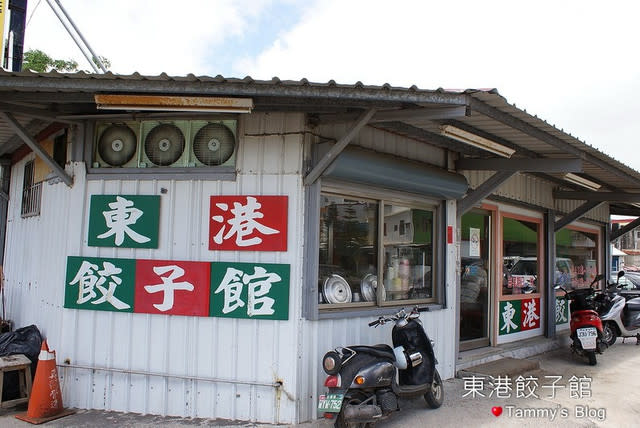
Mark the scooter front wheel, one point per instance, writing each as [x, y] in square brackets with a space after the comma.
[435, 396]
[609, 333]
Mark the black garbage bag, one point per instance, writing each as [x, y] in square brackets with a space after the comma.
[27, 341]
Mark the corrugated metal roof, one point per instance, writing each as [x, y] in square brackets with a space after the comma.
[69, 94]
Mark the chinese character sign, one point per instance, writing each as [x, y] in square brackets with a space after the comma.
[562, 310]
[172, 288]
[510, 315]
[125, 221]
[250, 223]
[234, 290]
[248, 290]
[519, 315]
[100, 284]
[530, 314]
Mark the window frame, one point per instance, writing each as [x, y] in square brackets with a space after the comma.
[31, 203]
[540, 257]
[311, 307]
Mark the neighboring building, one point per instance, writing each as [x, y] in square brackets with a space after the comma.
[192, 246]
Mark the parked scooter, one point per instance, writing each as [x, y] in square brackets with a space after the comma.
[585, 324]
[365, 382]
[620, 317]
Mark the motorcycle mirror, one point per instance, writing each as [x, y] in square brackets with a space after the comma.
[620, 274]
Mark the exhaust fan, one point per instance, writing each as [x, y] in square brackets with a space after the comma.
[214, 144]
[164, 144]
[117, 145]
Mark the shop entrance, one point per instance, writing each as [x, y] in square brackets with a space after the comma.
[476, 282]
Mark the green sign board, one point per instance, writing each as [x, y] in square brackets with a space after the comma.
[125, 221]
[250, 290]
[510, 317]
[562, 310]
[100, 284]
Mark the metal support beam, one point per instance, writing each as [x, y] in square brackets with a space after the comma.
[33, 112]
[520, 164]
[549, 273]
[597, 196]
[432, 138]
[630, 211]
[552, 140]
[333, 153]
[606, 251]
[575, 214]
[425, 113]
[38, 150]
[482, 191]
[628, 228]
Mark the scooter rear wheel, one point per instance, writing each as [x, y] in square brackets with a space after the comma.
[592, 358]
[435, 396]
[354, 398]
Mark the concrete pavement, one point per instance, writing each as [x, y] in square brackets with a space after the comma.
[605, 395]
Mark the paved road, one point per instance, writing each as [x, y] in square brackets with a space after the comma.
[610, 399]
[606, 395]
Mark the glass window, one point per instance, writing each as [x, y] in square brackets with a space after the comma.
[348, 250]
[521, 270]
[351, 239]
[408, 253]
[576, 258]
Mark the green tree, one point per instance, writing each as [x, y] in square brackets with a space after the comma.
[36, 60]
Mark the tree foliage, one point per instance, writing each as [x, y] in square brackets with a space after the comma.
[36, 60]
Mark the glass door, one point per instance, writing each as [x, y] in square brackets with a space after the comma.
[476, 278]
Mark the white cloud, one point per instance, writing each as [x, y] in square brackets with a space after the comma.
[571, 62]
[147, 36]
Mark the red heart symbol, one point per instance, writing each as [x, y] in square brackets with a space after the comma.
[497, 411]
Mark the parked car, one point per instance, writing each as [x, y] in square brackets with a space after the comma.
[523, 275]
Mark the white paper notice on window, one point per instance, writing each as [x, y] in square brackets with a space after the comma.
[474, 242]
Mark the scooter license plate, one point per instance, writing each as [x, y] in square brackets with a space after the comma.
[587, 337]
[330, 403]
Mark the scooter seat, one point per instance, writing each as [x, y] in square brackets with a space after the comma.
[381, 351]
[634, 304]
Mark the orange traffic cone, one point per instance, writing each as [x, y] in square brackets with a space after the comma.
[45, 403]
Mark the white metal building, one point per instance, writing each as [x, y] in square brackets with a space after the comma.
[420, 190]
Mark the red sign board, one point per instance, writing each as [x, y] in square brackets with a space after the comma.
[172, 288]
[248, 223]
[530, 317]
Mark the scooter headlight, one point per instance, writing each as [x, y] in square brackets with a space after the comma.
[331, 362]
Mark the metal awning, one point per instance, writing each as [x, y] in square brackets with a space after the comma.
[38, 100]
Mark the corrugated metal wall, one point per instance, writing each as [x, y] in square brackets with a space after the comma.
[270, 160]
[535, 191]
[318, 337]
[599, 213]
[386, 142]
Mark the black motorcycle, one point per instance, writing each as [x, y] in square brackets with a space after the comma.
[365, 382]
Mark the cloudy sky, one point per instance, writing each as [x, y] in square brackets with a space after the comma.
[573, 63]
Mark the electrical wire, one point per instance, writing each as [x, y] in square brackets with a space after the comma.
[32, 12]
